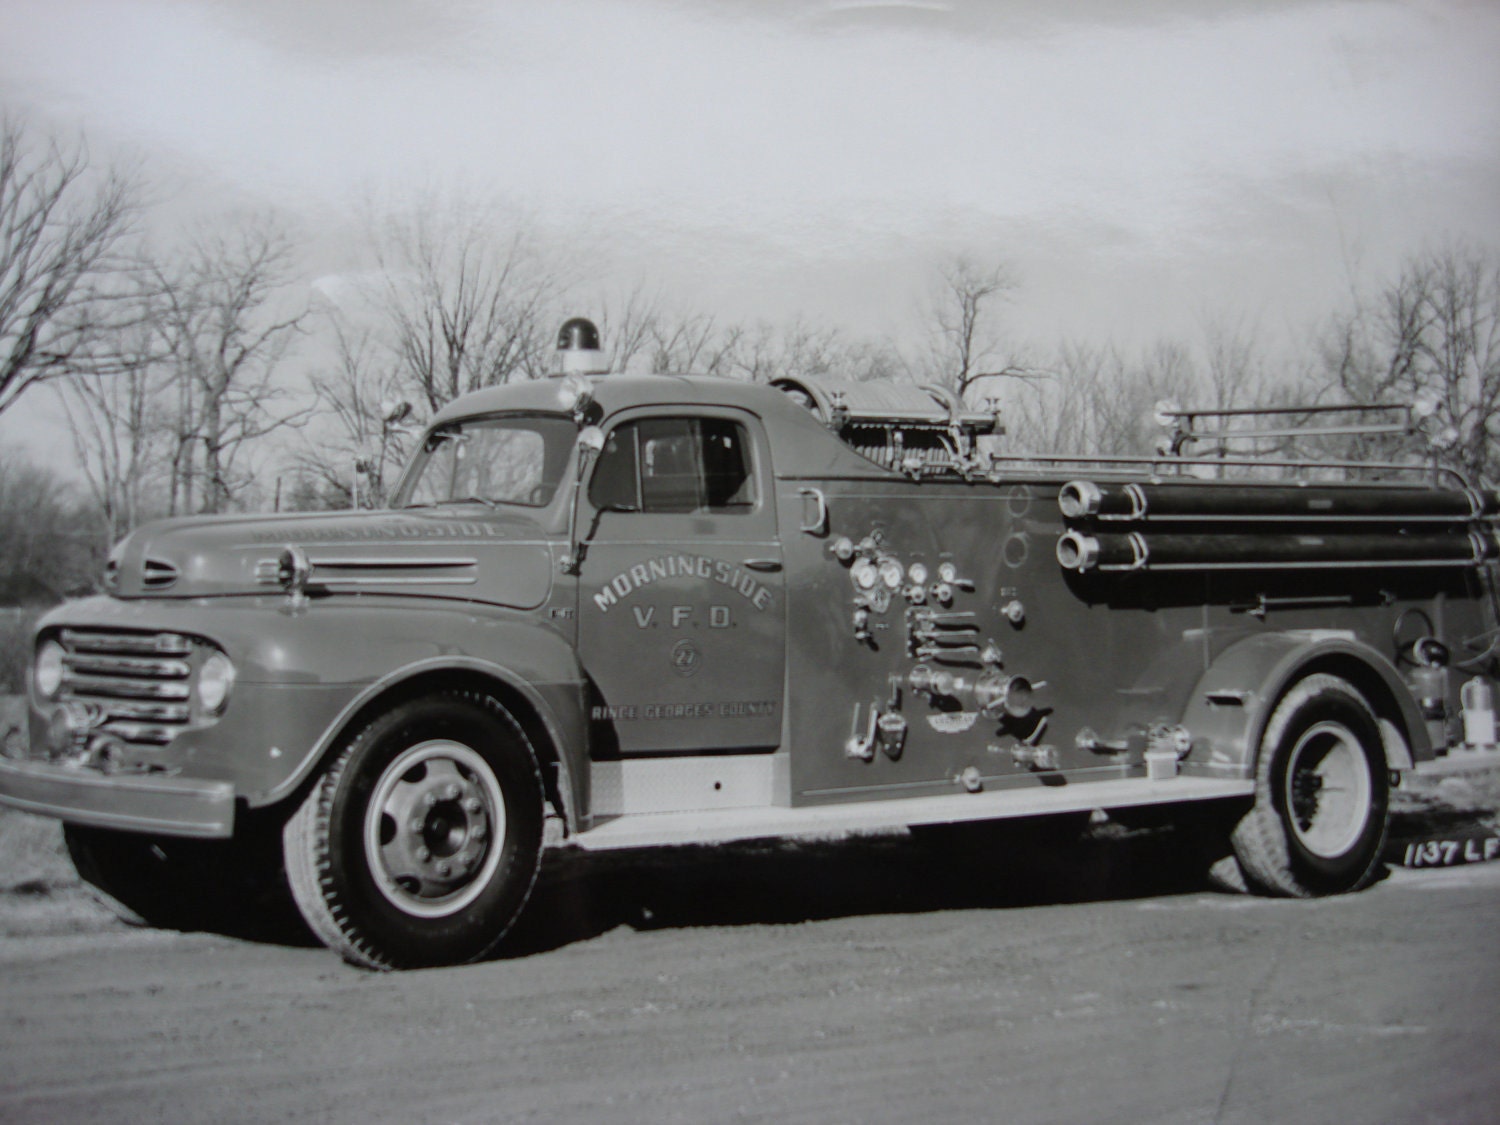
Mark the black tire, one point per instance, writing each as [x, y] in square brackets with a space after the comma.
[1321, 795]
[234, 887]
[420, 844]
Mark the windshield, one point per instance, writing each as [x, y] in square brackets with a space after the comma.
[505, 460]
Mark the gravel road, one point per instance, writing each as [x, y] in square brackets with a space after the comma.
[867, 980]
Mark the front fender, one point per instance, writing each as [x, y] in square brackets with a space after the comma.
[534, 666]
[556, 707]
[1232, 701]
[305, 676]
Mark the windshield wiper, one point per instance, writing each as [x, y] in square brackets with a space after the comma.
[486, 501]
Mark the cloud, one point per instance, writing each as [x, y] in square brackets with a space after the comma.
[801, 131]
[347, 29]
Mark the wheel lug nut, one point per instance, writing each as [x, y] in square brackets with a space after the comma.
[477, 832]
[472, 805]
[423, 854]
[429, 798]
[416, 825]
[452, 791]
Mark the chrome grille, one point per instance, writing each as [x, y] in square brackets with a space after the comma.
[142, 682]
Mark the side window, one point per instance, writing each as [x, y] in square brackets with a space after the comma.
[678, 465]
[727, 480]
[616, 484]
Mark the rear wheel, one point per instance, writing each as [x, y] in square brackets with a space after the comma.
[1321, 794]
[420, 844]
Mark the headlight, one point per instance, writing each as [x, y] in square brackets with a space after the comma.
[47, 673]
[215, 679]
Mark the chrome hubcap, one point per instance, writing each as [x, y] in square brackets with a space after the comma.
[433, 827]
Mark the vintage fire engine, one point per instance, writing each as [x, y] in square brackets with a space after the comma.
[625, 611]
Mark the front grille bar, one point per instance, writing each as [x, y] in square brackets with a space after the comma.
[124, 689]
[134, 644]
[142, 682]
[129, 667]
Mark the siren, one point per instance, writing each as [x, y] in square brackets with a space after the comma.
[578, 351]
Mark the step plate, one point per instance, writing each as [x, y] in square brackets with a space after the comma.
[720, 826]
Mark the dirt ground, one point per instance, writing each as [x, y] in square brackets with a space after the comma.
[869, 979]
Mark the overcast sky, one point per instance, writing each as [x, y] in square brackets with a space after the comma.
[1143, 166]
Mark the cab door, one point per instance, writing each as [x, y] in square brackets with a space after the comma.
[682, 609]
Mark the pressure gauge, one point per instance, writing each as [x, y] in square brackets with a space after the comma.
[864, 574]
[917, 573]
[890, 574]
[948, 572]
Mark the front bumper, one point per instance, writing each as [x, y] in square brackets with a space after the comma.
[172, 806]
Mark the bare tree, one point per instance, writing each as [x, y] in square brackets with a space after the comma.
[693, 344]
[1233, 366]
[963, 347]
[796, 348]
[1434, 333]
[359, 447]
[628, 327]
[223, 333]
[121, 436]
[60, 227]
[1100, 401]
[642, 334]
[469, 304]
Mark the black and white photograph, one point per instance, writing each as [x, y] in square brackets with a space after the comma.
[797, 561]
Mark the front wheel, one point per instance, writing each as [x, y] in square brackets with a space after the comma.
[1321, 794]
[420, 844]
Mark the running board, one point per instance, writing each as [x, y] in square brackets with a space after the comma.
[721, 826]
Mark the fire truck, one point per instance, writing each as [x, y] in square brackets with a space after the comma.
[629, 611]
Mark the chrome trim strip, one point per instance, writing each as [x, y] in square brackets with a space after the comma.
[419, 561]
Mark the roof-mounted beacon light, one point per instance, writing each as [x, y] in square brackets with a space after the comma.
[578, 356]
[578, 351]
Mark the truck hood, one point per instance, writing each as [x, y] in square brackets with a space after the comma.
[458, 552]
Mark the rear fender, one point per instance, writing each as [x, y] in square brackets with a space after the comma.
[1229, 707]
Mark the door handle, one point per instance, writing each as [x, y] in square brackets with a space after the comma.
[818, 524]
[765, 566]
